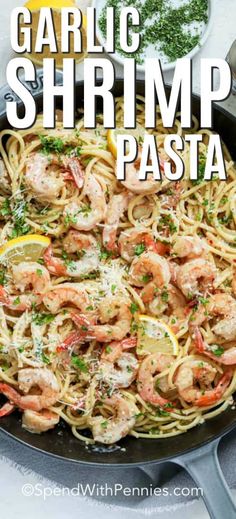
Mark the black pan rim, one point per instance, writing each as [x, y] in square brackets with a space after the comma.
[91, 464]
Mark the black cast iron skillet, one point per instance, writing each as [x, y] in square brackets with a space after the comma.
[195, 450]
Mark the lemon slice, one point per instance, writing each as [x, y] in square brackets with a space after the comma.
[137, 132]
[56, 6]
[155, 336]
[34, 5]
[25, 248]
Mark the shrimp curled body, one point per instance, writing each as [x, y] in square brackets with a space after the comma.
[111, 431]
[155, 363]
[202, 372]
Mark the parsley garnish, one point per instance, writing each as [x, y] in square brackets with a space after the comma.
[218, 351]
[133, 308]
[79, 363]
[5, 209]
[3, 280]
[41, 319]
[139, 249]
[51, 144]
[105, 254]
[164, 297]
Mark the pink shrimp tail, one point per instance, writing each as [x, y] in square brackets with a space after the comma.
[10, 393]
[52, 264]
[6, 409]
[4, 298]
[198, 341]
[217, 393]
[84, 325]
[70, 341]
[130, 342]
[74, 172]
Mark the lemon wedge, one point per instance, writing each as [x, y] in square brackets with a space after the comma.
[155, 336]
[137, 132]
[25, 248]
[56, 5]
[34, 5]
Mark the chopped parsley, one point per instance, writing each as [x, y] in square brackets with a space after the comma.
[139, 249]
[161, 412]
[204, 301]
[167, 221]
[79, 363]
[201, 171]
[40, 319]
[3, 280]
[69, 218]
[51, 144]
[44, 358]
[157, 20]
[146, 278]
[105, 254]
[133, 308]
[164, 297]
[17, 210]
[218, 351]
[5, 209]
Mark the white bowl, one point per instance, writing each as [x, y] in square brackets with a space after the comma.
[99, 4]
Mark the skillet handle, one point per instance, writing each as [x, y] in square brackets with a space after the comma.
[35, 87]
[203, 466]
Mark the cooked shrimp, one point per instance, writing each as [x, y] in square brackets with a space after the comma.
[190, 247]
[152, 364]
[40, 177]
[226, 356]
[26, 274]
[84, 217]
[150, 271]
[170, 298]
[61, 295]
[110, 309]
[220, 304]
[6, 409]
[74, 170]
[110, 431]
[45, 380]
[202, 372]
[31, 274]
[194, 276]
[118, 368]
[174, 268]
[143, 209]
[70, 341]
[75, 242]
[120, 374]
[132, 182]
[17, 302]
[27, 379]
[224, 305]
[38, 422]
[133, 242]
[113, 351]
[115, 210]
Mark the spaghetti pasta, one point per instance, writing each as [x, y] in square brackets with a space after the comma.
[70, 321]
